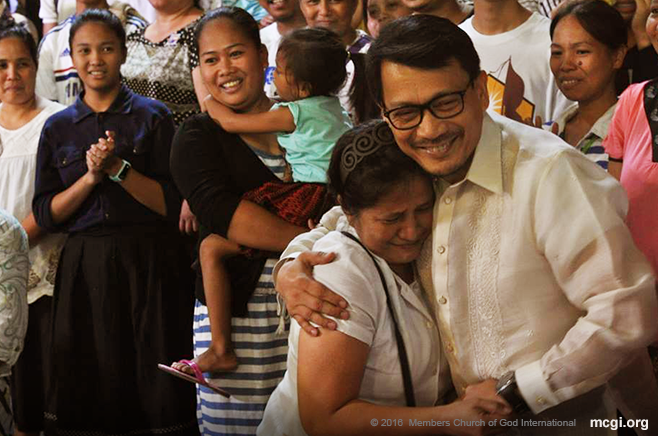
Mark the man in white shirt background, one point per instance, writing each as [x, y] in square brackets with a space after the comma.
[53, 12]
[514, 48]
[540, 295]
[453, 10]
[57, 78]
[287, 17]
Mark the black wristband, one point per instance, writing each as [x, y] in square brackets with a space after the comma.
[509, 390]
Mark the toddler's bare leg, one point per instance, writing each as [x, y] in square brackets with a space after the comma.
[220, 356]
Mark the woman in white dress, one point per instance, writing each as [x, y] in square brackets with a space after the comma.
[22, 115]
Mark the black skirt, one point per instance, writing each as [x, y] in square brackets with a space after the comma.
[29, 376]
[123, 303]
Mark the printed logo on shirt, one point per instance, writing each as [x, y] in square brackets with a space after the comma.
[65, 53]
[269, 75]
[506, 98]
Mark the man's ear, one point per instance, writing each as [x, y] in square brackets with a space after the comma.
[480, 86]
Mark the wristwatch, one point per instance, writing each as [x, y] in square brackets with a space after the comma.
[120, 176]
[508, 389]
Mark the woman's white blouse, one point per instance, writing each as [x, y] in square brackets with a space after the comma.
[354, 276]
[18, 161]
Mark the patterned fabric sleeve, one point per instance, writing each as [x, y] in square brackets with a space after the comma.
[187, 36]
[14, 271]
[131, 19]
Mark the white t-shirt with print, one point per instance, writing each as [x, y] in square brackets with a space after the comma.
[56, 11]
[270, 38]
[517, 61]
[57, 78]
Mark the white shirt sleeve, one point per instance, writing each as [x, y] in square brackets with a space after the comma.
[47, 11]
[352, 276]
[46, 86]
[601, 272]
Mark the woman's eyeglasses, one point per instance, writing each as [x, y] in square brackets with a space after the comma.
[442, 107]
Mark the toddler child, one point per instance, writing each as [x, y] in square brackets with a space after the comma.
[310, 70]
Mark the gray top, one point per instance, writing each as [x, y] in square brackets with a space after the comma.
[14, 271]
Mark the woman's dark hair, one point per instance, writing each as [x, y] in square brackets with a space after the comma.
[364, 107]
[5, 16]
[364, 15]
[238, 16]
[373, 176]
[598, 18]
[420, 41]
[316, 58]
[9, 29]
[102, 16]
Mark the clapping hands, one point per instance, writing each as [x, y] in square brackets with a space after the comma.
[101, 159]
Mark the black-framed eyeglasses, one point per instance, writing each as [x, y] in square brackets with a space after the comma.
[442, 107]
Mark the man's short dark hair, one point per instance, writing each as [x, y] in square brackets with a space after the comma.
[420, 41]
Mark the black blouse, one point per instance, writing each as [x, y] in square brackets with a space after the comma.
[213, 169]
[144, 129]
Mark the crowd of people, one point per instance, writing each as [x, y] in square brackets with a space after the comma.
[456, 201]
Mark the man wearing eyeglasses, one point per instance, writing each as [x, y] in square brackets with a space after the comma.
[540, 295]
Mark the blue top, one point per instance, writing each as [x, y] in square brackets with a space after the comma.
[319, 122]
[252, 6]
[144, 129]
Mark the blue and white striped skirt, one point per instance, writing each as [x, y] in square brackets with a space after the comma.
[262, 355]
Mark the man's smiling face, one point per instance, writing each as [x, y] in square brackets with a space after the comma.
[443, 147]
